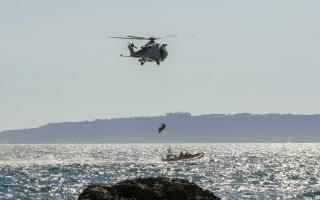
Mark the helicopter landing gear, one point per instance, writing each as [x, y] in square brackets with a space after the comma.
[158, 63]
[142, 61]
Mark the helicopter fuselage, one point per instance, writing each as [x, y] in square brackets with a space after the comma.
[150, 53]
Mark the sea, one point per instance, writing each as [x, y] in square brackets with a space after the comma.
[231, 171]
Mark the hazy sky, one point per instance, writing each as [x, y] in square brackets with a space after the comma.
[57, 64]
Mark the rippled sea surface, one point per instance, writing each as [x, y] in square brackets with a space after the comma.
[231, 171]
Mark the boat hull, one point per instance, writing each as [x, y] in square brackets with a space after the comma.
[193, 157]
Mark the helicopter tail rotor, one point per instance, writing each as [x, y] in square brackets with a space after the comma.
[131, 46]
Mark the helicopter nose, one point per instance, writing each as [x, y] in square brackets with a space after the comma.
[163, 51]
[165, 54]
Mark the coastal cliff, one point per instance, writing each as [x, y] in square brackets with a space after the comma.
[180, 128]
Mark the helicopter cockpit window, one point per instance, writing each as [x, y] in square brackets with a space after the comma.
[163, 53]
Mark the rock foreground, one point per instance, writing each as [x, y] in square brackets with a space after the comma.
[148, 189]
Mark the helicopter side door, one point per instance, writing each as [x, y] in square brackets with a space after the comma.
[151, 53]
[156, 52]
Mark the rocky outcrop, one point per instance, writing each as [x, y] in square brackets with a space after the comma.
[160, 188]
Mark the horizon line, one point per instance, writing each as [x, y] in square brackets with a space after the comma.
[163, 115]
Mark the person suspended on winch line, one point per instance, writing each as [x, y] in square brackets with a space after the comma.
[162, 127]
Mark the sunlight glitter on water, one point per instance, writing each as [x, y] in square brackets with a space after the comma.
[232, 171]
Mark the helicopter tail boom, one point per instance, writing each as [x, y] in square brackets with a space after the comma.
[130, 47]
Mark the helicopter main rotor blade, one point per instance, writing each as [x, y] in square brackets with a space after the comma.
[167, 36]
[127, 38]
[138, 38]
[151, 38]
[132, 37]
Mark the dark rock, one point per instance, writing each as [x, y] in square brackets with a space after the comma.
[148, 189]
[96, 191]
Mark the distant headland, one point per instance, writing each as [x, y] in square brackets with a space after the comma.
[181, 128]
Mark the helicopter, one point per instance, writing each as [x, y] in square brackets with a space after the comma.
[150, 52]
